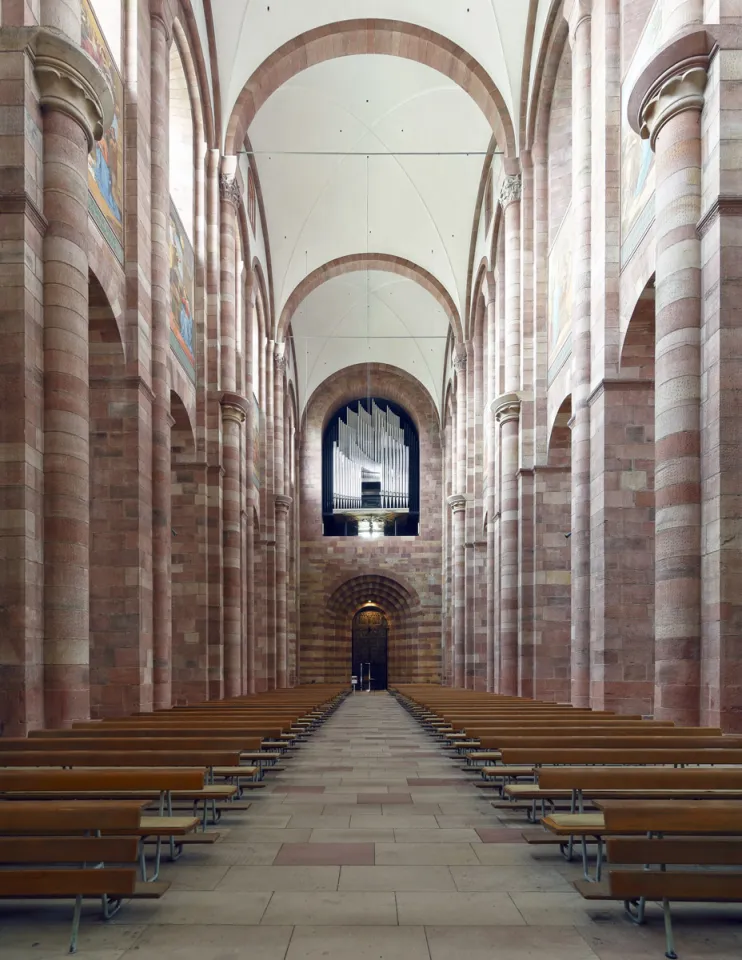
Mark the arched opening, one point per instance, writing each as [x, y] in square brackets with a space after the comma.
[369, 645]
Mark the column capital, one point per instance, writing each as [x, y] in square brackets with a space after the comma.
[459, 357]
[511, 190]
[234, 407]
[282, 504]
[672, 82]
[279, 356]
[489, 288]
[157, 18]
[229, 190]
[577, 13]
[457, 503]
[506, 407]
[69, 81]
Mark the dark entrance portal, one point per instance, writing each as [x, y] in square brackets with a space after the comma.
[370, 635]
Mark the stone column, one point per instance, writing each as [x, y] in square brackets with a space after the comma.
[490, 392]
[249, 571]
[234, 409]
[77, 107]
[577, 13]
[669, 115]
[282, 506]
[161, 422]
[507, 412]
[458, 506]
[281, 513]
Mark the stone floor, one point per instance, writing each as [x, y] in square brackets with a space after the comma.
[371, 845]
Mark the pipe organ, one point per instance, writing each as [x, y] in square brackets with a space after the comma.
[370, 461]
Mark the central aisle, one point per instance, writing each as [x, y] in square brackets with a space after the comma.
[371, 844]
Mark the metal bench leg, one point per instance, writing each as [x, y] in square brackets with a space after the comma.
[110, 906]
[75, 923]
[669, 940]
[635, 909]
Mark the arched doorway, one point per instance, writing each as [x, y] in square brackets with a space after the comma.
[370, 641]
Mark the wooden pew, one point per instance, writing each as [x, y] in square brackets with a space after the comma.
[45, 853]
[704, 834]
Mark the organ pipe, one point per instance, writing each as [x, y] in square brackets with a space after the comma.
[370, 448]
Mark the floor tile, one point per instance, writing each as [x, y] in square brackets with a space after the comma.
[211, 943]
[414, 878]
[507, 943]
[358, 943]
[336, 909]
[293, 878]
[457, 909]
[325, 853]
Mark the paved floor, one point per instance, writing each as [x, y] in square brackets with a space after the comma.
[372, 845]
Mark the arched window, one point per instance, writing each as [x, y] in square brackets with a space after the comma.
[371, 471]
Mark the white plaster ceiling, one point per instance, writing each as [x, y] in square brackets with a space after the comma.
[369, 316]
[418, 208]
[491, 31]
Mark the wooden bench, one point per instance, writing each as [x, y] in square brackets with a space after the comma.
[48, 850]
[704, 834]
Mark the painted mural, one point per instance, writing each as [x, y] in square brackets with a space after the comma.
[637, 158]
[257, 475]
[181, 295]
[560, 295]
[106, 160]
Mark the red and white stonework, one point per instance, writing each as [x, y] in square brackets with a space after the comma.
[554, 304]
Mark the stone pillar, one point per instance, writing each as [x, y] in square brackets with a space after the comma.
[77, 107]
[507, 412]
[667, 110]
[490, 392]
[271, 653]
[249, 571]
[457, 503]
[577, 13]
[282, 506]
[161, 422]
[458, 506]
[234, 409]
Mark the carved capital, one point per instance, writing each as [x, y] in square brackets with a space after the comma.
[457, 503]
[282, 504]
[490, 288]
[511, 190]
[459, 358]
[672, 82]
[229, 190]
[279, 356]
[506, 407]
[234, 407]
[72, 83]
[676, 94]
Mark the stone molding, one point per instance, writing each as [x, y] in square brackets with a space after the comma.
[490, 288]
[607, 384]
[723, 206]
[230, 190]
[279, 357]
[457, 503]
[234, 407]
[511, 190]
[134, 381]
[157, 18]
[69, 80]
[672, 82]
[21, 203]
[506, 407]
[282, 503]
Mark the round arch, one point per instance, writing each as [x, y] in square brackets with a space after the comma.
[358, 262]
[372, 36]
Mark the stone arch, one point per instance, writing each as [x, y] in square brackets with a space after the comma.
[555, 36]
[358, 262]
[370, 36]
[401, 606]
[560, 436]
[637, 347]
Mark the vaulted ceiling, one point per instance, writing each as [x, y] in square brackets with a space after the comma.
[367, 154]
